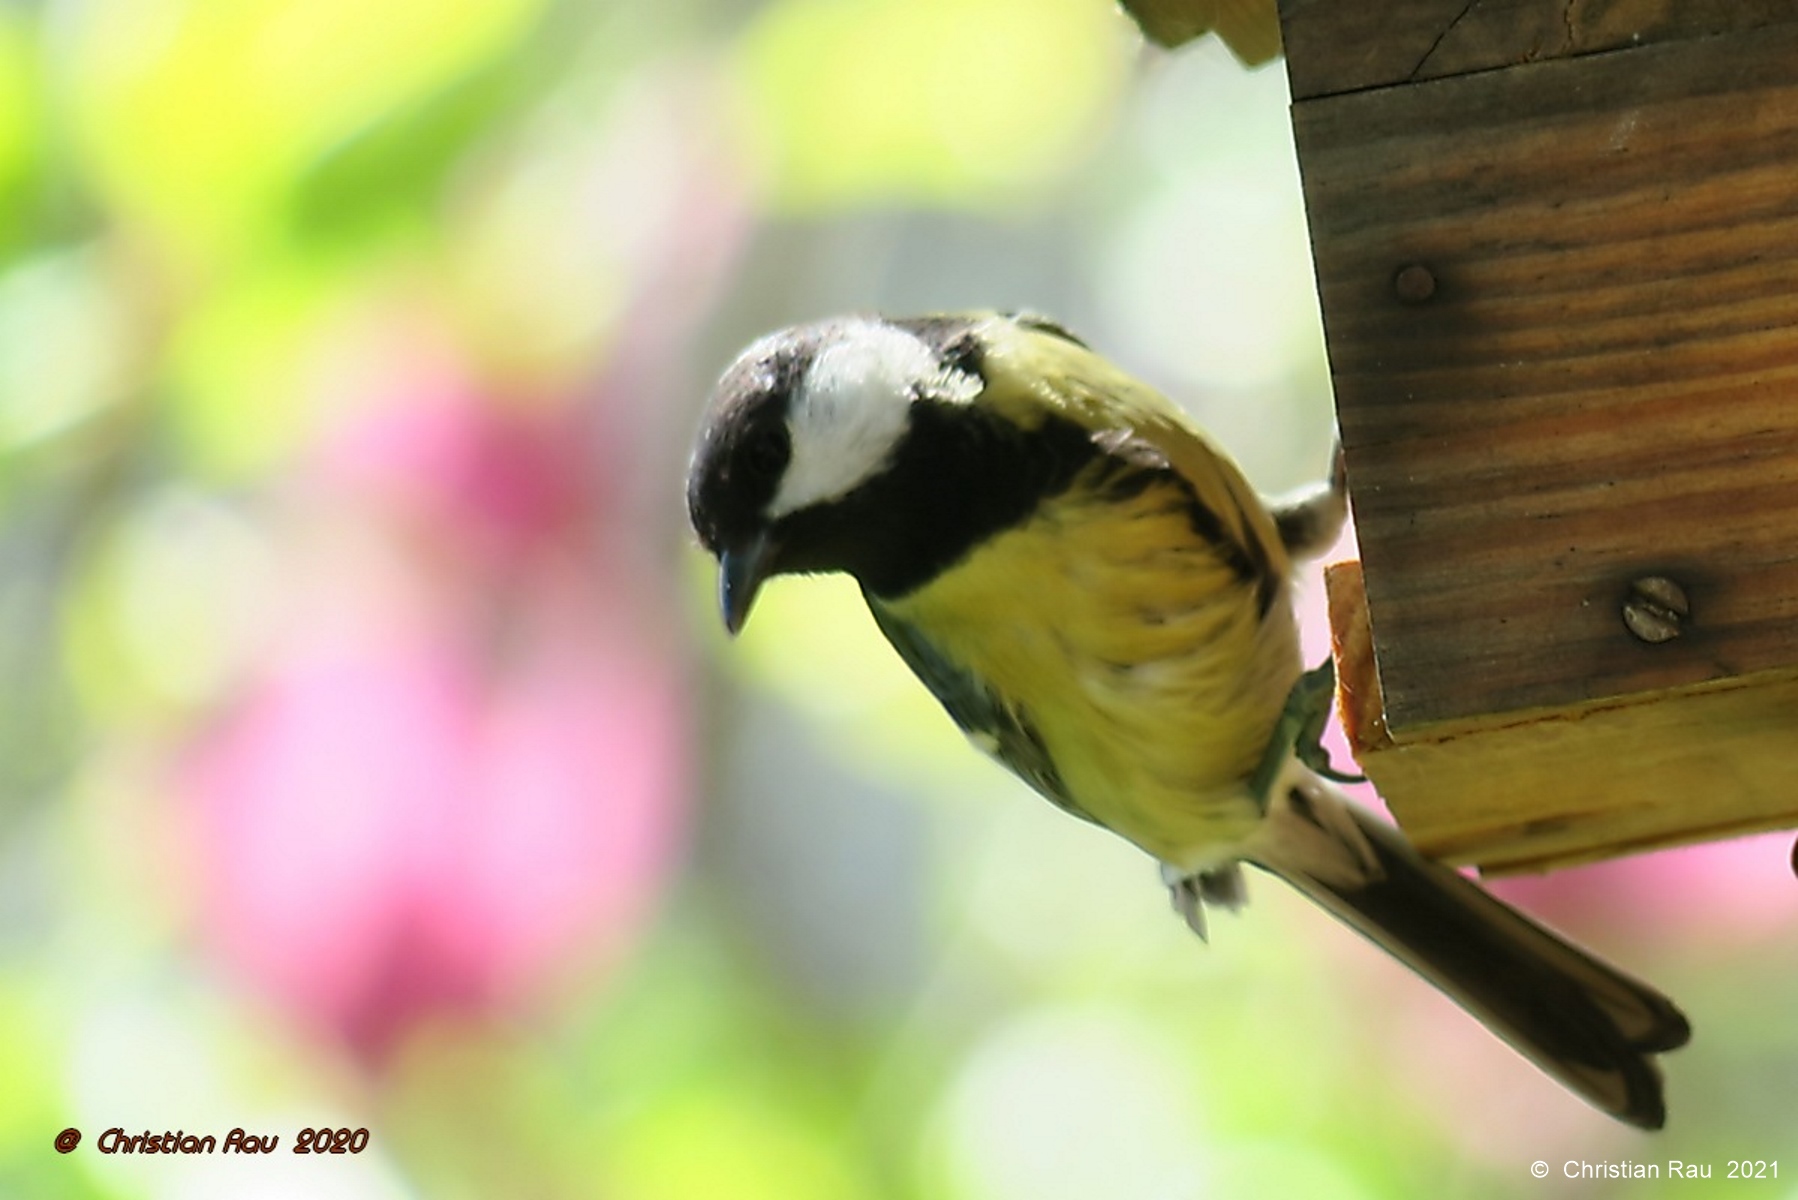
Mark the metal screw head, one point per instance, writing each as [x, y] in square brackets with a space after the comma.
[1656, 609]
[1414, 284]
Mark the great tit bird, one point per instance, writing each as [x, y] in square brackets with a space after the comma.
[1102, 602]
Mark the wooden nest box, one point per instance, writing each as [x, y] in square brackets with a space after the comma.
[1557, 251]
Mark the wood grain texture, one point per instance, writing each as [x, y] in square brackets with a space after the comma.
[1337, 46]
[1603, 383]
[1552, 789]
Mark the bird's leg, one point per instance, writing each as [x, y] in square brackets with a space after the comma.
[1320, 682]
[1300, 731]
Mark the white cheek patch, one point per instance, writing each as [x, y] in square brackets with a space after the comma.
[849, 414]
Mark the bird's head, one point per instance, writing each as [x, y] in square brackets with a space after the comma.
[808, 459]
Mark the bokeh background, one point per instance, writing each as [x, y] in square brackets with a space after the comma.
[370, 755]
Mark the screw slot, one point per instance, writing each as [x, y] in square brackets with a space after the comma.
[1656, 609]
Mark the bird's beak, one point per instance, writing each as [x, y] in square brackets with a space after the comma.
[741, 571]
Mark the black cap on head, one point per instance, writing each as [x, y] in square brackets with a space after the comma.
[744, 444]
[856, 445]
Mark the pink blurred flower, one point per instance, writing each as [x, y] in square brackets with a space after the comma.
[437, 457]
[1721, 895]
[462, 769]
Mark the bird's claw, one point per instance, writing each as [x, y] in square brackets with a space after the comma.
[1300, 731]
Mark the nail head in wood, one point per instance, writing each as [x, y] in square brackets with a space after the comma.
[1414, 284]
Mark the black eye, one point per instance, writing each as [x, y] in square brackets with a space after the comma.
[765, 454]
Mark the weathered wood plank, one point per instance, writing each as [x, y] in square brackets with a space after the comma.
[1337, 46]
[1602, 385]
[1551, 789]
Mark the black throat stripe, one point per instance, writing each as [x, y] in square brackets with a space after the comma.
[963, 475]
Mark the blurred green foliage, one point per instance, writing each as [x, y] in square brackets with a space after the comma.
[908, 102]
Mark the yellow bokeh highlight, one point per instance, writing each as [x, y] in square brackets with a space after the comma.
[242, 398]
[812, 641]
[28, 1052]
[716, 1143]
[931, 101]
[196, 115]
[166, 607]
[19, 114]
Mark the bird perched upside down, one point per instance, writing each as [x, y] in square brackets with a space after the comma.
[1101, 601]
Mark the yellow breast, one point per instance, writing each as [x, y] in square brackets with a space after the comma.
[1139, 653]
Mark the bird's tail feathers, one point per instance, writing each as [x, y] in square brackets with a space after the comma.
[1581, 1020]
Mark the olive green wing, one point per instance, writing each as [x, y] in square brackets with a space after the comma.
[1001, 728]
[1034, 367]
